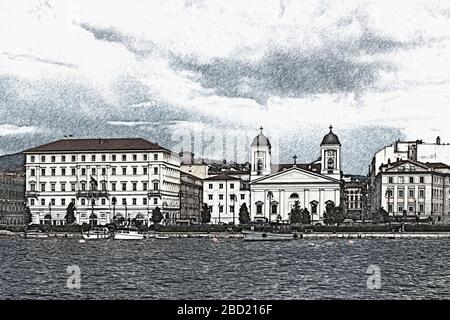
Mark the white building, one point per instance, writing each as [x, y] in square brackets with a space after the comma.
[129, 177]
[416, 189]
[270, 190]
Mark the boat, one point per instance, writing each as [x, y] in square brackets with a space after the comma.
[128, 233]
[96, 233]
[268, 236]
[36, 234]
[161, 237]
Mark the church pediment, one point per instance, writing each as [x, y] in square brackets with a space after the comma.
[294, 175]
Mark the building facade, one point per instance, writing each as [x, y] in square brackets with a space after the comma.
[106, 179]
[191, 198]
[12, 198]
[409, 188]
[355, 196]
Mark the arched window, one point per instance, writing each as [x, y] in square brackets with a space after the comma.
[294, 196]
[314, 207]
[330, 163]
[259, 165]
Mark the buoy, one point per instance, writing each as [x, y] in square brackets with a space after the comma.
[350, 241]
[215, 240]
[82, 241]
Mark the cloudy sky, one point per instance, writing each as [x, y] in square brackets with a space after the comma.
[217, 70]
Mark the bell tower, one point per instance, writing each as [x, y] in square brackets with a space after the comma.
[260, 157]
[331, 155]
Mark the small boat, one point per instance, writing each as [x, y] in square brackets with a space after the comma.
[128, 233]
[34, 234]
[268, 236]
[96, 233]
[161, 237]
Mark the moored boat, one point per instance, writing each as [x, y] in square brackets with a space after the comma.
[96, 233]
[128, 233]
[33, 234]
[161, 237]
[268, 236]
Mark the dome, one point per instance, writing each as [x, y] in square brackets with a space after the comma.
[261, 141]
[330, 138]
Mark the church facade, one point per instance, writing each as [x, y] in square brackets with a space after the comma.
[276, 188]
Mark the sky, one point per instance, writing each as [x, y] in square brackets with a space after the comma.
[206, 75]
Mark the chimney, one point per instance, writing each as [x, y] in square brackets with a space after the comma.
[438, 140]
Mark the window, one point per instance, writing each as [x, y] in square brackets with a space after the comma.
[411, 179]
[42, 186]
[93, 171]
[210, 196]
[144, 201]
[124, 186]
[400, 208]
[52, 202]
[83, 202]
[63, 171]
[390, 208]
[134, 186]
[113, 186]
[232, 209]
[74, 158]
[83, 186]
[103, 171]
[145, 186]
[103, 157]
[401, 193]
[103, 186]
[114, 157]
[103, 201]
[391, 179]
[74, 172]
[32, 202]
[124, 157]
[259, 208]
[411, 193]
[220, 185]
[63, 158]
[113, 171]
[422, 179]
[145, 171]
[42, 202]
[53, 172]
[33, 172]
[93, 158]
[155, 200]
[145, 157]
[411, 208]
[124, 202]
[155, 156]
[421, 193]
[42, 172]
[134, 171]
[134, 201]
[231, 185]
[421, 208]
[53, 158]
[155, 186]
[63, 186]
[83, 171]
[72, 186]
[221, 209]
[400, 179]
[32, 187]
[43, 159]
[242, 196]
[232, 197]
[32, 159]
[134, 157]
[83, 158]
[210, 186]
[124, 171]
[220, 196]
[63, 202]
[274, 208]
[155, 170]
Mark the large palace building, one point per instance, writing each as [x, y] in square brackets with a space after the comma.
[106, 179]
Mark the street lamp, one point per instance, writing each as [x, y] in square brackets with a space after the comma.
[270, 197]
[234, 209]
[219, 213]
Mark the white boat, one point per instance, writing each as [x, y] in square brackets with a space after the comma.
[267, 236]
[96, 233]
[36, 234]
[128, 234]
[161, 237]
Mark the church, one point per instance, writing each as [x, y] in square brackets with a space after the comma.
[276, 188]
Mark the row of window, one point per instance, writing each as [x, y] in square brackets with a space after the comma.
[401, 193]
[407, 179]
[93, 172]
[232, 197]
[83, 202]
[221, 186]
[103, 186]
[94, 158]
[410, 208]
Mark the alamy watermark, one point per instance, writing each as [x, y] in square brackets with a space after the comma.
[74, 279]
[374, 280]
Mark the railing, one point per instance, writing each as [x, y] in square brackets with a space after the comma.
[154, 193]
[31, 194]
[89, 194]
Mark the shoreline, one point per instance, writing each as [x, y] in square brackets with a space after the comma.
[233, 235]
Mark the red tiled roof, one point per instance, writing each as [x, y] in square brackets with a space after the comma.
[97, 145]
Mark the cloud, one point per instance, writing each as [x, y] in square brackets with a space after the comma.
[13, 130]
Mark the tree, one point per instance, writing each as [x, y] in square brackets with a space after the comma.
[205, 214]
[380, 216]
[296, 214]
[305, 217]
[157, 215]
[28, 218]
[70, 213]
[333, 214]
[244, 216]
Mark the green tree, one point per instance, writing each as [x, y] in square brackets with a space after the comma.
[333, 214]
[70, 213]
[296, 214]
[205, 214]
[157, 215]
[28, 218]
[244, 216]
[305, 217]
